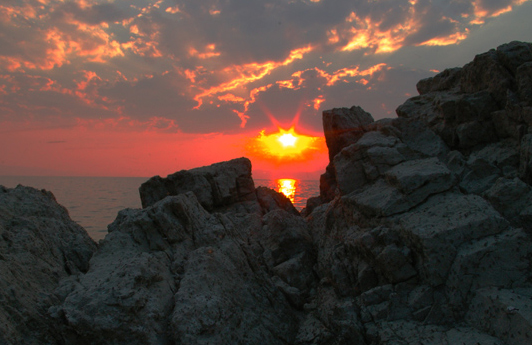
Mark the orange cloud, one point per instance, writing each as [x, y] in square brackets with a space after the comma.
[318, 101]
[363, 33]
[480, 13]
[231, 98]
[341, 74]
[209, 52]
[446, 40]
[247, 73]
[173, 10]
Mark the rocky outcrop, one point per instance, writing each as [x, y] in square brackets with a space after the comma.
[39, 247]
[429, 226]
[215, 186]
[421, 234]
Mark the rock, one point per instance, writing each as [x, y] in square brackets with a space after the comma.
[404, 186]
[502, 260]
[511, 197]
[39, 246]
[173, 272]
[524, 82]
[445, 80]
[505, 314]
[408, 332]
[215, 186]
[271, 200]
[435, 229]
[486, 72]
[514, 54]
[479, 177]
[525, 160]
[343, 127]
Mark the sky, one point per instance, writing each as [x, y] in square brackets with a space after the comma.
[143, 88]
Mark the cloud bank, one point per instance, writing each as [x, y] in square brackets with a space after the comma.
[218, 66]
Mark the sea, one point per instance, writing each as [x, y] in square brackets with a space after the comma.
[94, 202]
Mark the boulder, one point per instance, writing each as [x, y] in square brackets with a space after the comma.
[343, 126]
[39, 246]
[215, 186]
[437, 228]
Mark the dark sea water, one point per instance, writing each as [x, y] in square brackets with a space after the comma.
[93, 202]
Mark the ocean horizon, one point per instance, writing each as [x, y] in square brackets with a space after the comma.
[94, 202]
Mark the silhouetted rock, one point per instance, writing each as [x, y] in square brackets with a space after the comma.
[215, 186]
[39, 246]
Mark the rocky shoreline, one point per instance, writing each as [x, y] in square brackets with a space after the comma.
[421, 235]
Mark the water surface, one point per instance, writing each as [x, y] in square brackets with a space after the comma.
[93, 202]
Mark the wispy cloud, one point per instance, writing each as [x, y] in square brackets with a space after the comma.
[211, 66]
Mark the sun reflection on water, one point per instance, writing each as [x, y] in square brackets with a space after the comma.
[287, 186]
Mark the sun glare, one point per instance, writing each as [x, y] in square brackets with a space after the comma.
[285, 146]
[287, 139]
[287, 186]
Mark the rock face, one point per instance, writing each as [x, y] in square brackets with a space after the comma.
[421, 234]
[39, 246]
[215, 186]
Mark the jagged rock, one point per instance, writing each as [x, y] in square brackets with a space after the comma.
[512, 198]
[435, 230]
[39, 246]
[343, 126]
[408, 332]
[502, 260]
[215, 186]
[525, 160]
[505, 314]
[446, 80]
[524, 83]
[404, 186]
[171, 273]
[271, 200]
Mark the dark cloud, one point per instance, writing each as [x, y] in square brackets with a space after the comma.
[219, 66]
[92, 15]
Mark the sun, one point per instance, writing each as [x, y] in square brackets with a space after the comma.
[287, 139]
[286, 145]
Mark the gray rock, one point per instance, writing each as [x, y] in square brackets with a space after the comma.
[486, 72]
[511, 198]
[215, 186]
[409, 332]
[514, 54]
[270, 200]
[424, 177]
[343, 127]
[403, 187]
[446, 80]
[506, 314]
[39, 246]
[479, 177]
[173, 272]
[525, 159]
[436, 229]
[502, 260]
[524, 82]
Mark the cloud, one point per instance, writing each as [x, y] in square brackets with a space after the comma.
[211, 66]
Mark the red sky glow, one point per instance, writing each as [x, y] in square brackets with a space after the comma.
[142, 88]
